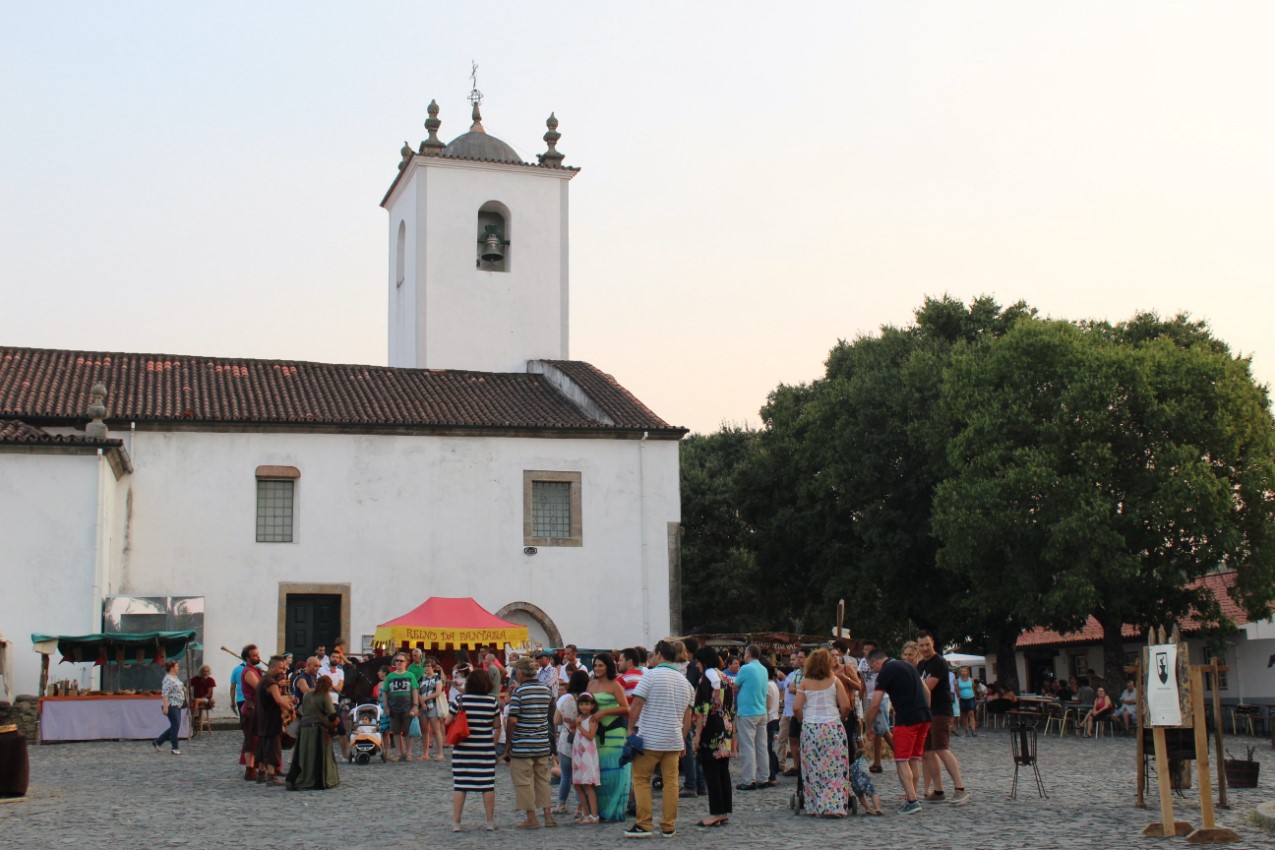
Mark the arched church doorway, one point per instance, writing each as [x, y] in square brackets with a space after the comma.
[540, 626]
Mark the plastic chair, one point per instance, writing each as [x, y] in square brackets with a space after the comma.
[1054, 713]
[1247, 716]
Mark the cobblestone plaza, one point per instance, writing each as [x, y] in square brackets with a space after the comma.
[125, 795]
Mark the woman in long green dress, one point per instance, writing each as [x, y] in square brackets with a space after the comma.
[613, 731]
[313, 765]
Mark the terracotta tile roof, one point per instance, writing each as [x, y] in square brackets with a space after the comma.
[1218, 584]
[15, 432]
[617, 402]
[52, 385]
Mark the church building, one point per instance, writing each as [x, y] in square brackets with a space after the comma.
[285, 503]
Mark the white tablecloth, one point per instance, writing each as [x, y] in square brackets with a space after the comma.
[98, 719]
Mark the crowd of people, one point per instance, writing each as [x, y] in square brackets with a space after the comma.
[1083, 694]
[672, 718]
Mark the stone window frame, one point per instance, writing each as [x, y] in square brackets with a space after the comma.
[276, 473]
[529, 478]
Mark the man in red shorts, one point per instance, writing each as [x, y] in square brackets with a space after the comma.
[912, 716]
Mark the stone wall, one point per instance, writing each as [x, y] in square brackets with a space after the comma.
[22, 713]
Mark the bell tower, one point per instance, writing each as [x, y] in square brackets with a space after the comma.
[478, 258]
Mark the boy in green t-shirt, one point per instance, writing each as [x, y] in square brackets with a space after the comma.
[400, 700]
[416, 667]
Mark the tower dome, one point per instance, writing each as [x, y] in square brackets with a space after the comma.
[477, 144]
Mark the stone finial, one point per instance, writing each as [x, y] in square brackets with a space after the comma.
[406, 153]
[97, 410]
[551, 157]
[432, 146]
[477, 126]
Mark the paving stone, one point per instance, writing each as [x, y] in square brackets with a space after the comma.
[123, 794]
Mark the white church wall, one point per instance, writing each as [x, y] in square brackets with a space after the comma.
[401, 518]
[48, 507]
[468, 318]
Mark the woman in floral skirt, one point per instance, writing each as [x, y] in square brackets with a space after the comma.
[822, 703]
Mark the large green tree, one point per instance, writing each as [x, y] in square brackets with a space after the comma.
[721, 585]
[1099, 469]
[839, 484]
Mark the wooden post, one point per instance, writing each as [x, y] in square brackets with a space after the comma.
[1167, 826]
[1217, 737]
[44, 674]
[1142, 747]
[1209, 832]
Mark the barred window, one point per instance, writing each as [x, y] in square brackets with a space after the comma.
[276, 500]
[551, 508]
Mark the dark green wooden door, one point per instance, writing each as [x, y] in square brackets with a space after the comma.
[313, 619]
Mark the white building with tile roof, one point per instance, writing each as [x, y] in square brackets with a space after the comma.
[288, 503]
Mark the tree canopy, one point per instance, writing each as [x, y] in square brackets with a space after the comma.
[1098, 470]
[984, 470]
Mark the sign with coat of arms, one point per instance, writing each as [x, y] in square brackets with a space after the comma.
[1166, 688]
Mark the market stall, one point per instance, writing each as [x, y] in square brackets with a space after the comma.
[128, 704]
[443, 625]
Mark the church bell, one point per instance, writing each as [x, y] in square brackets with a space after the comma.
[493, 246]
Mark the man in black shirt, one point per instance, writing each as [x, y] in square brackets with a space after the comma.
[912, 718]
[935, 675]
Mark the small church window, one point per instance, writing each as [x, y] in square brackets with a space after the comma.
[400, 259]
[493, 240]
[551, 508]
[276, 491]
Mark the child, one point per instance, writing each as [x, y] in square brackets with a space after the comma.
[585, 774]
[861, 783]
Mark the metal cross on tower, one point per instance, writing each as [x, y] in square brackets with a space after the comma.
[475, 96]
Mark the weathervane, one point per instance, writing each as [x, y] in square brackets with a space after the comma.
[475, 96]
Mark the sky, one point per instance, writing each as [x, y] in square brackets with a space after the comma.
[759, 180]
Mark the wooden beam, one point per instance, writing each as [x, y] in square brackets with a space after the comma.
[1217, 737]
[1142, 747]
[1209, 832]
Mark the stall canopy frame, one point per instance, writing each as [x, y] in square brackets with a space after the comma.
[93, 649]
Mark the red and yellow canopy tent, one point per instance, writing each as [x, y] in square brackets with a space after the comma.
[443, 622]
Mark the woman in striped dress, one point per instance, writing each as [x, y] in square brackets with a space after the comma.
[474, 759]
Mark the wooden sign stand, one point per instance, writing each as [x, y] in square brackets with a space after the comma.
[1191, 697]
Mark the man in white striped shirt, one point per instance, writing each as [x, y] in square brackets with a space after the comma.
[660, 712]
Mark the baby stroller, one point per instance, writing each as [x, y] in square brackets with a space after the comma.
[798, 801]
[365, 735]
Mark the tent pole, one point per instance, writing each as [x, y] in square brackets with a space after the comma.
[44, 674]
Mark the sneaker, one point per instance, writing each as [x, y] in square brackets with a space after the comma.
[177, 752]
[686, 792]
[935, 797]
[910, 808]
[959, 797]
[636, 831]
[669, 833]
